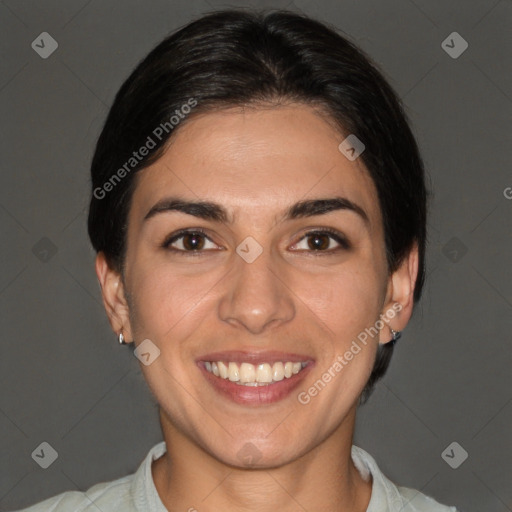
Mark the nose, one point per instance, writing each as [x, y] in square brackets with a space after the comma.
[256, 296]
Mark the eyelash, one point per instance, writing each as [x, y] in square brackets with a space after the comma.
[335, 235]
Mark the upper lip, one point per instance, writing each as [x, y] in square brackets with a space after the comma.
[255, 357]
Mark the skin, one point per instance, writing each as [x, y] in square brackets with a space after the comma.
[256, 162]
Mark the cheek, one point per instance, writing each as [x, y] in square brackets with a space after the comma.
[169, 310]
[344, 305]
[344, 301]
[169, 304]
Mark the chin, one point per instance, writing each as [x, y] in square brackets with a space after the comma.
[258, 454]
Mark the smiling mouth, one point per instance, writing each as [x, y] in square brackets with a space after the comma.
[248, 374]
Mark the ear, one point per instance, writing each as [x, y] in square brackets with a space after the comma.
[399, 301]
[114, 299]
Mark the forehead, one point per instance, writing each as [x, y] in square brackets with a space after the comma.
[256, 160]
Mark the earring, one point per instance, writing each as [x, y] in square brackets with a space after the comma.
[121, 339]
[396, 335]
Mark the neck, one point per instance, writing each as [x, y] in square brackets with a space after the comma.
[325, 478]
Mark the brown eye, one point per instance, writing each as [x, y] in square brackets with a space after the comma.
[189, 241]
[322, 241]
[318, 241]
[193, 241]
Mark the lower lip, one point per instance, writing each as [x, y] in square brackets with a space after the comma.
[255, 395]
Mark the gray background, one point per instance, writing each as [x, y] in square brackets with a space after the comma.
[63, 377]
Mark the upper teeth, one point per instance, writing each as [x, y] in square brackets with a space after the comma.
[250, 375]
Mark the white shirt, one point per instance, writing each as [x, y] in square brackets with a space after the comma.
[137, 492]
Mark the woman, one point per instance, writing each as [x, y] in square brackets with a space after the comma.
[259, 213]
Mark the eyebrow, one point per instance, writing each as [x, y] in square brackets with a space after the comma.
[213, 211]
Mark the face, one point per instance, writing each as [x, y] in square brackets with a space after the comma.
[261, 274]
